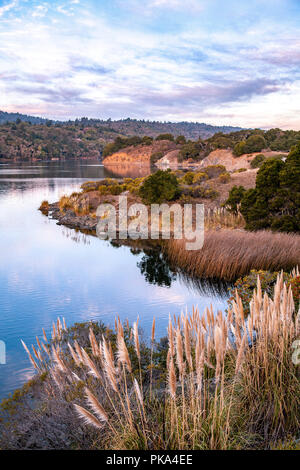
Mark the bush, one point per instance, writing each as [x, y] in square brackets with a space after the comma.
[193, 150]
[180, 140]
[188, 178]
[240, 170]
[224, 178]
[255, 143]
[200, 177]
[275, 201]
[257, 160]
[155, 157]
[239, 149]
[165, 137]
[234, 199]
[199, 192]
[158, 187]
[245, 286]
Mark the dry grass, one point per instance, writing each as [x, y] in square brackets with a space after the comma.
[221, 218]
[229, 254]
[44, 207]
[230, 382]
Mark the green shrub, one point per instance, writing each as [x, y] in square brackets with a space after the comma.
[255, 143]
[234, 199]
[193, 150]
[165, 137]
[200, 192]
[275, 201]
[224, 178]
[200, 177]
[240, 170]
[158, 187]
[188, 178]
[239, 149]
[155, 157]
[180, 139]
[257, 160]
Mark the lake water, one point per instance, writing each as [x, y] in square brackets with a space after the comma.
[48, 270]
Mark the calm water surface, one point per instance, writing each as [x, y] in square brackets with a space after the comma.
[47, 270]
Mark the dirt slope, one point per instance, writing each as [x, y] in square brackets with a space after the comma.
[140, 153]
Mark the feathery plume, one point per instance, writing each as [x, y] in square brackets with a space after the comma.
[172, 379]
[138, 391]
[136, 339]
[95, 405]
[88, 417]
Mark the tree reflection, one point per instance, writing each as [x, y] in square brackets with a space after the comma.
[155, 268]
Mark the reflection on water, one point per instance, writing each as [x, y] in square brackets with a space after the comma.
[48, 270]
[128, 170]
[155, 268]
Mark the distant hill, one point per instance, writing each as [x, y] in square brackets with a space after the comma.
[13, 117]
[27, 138]
[135, 127]
[130, 127]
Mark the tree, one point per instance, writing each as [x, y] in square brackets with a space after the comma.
[194, 150]
[275, 201]
[257, 160]
[180, 140]
[239, 148]
[255, 143]
[235, 197]
[158, 187]
[165, 137]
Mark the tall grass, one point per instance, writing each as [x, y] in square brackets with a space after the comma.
[229, 382]
[220, 217]
[229, 254]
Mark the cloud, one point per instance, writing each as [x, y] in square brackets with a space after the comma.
[40, 11]
[164, 59]
[58, 95]
[90, 68]
[206, 95]
[7, 7]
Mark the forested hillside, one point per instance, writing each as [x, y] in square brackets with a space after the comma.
[28, 138]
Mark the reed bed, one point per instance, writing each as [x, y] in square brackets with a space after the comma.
[229, 254]
[229, 382]
[220, 217]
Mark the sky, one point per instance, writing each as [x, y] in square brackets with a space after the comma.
[221, 62]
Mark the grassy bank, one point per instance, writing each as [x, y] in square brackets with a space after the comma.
[216, 382]
[229, 254]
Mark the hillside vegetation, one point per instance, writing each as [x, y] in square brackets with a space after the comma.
[239, 143]
[27, 138]
[275, 201]
[28, 142]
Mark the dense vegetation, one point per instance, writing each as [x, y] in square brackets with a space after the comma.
[98, 388]
[25, 138]
[25, 141]
[130, 127]
[240, 142]
[275, 201]
[159, 187]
